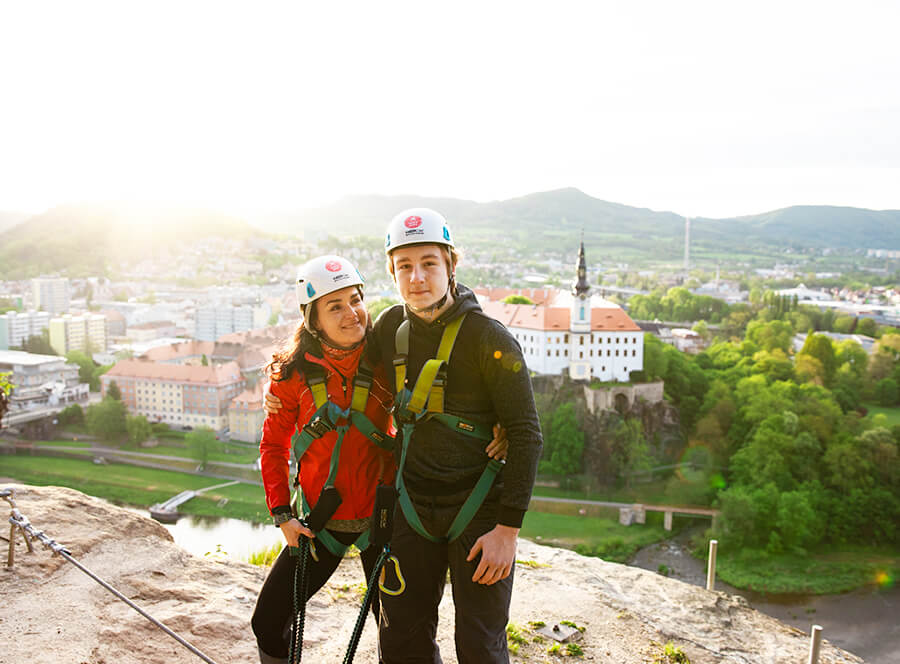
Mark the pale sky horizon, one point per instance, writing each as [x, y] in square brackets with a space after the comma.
[700, 108]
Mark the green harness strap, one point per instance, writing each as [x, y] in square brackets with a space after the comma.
[321, 423]
[426, 401]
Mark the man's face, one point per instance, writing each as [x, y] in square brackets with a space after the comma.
[420, 272]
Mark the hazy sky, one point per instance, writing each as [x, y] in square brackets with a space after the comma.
[703, 108]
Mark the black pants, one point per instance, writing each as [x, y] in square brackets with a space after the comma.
[408, 622]
[275, 605]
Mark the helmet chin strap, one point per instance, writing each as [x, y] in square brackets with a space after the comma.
[432, 308]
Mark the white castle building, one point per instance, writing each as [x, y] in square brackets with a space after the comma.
[585, 335]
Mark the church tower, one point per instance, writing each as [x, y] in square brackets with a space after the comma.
[580, 321]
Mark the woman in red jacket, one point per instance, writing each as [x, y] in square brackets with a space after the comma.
[326, 353]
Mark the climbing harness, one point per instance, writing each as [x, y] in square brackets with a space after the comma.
[20, 521]
[323, 421]
[424, 402]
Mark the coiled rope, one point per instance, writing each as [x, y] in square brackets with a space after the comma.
[20, 521]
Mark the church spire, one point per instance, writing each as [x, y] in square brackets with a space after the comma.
[581, 287]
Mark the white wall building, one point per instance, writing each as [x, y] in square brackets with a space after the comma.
[588, 337]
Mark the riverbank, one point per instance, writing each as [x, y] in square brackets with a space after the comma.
[863, 620]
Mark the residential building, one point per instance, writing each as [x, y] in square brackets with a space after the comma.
[586, 336]
[179, 395]
[16, 327]
[246, 415]
[86, 332]
[214, 321]
[150, 331]
[41, 381]
[51, 295]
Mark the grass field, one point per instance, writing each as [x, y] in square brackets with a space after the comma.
[593, 536]
[816, 573]
[892, 414]
[132, 485]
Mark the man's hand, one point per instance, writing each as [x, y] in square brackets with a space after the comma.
[271, 403]
[292, 530]
[498, 554]
[497, 448]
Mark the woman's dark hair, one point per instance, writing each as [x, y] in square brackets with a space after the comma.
[286, 361]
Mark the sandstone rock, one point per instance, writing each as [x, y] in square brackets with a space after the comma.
[52, 612]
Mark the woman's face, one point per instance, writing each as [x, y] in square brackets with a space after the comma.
[341, 316]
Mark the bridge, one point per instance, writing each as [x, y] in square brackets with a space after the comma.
[34, 423]
[635, 512]
[167, 512]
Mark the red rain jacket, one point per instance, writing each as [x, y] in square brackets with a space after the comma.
[362, 464]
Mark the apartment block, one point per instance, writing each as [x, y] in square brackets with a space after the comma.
[179, 395]
[16, 327]
[246, 415]
[85, 332]
[41, 381]
[51, 295]
[213, 321]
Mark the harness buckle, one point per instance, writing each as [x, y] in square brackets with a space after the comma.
[319, 427]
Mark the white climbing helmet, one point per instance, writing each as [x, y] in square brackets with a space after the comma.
[417, 226]
[324, 275]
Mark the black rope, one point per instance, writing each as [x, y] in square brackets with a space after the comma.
[301, 589]
[367, 603]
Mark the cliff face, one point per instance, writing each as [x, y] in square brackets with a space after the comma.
[599, 411]
[55, 613]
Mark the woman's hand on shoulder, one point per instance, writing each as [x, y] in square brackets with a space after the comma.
[271, 403]
[498, 447]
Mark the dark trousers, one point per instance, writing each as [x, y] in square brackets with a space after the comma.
[275, 605]
[409, 621]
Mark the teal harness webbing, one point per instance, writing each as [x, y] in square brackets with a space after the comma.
[424, 402]
[322, 422]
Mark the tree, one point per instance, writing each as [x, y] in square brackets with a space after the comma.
[886, 392]
[200, 443]
[204, 360]
[107, 419]
[379, 304]
[630, 452]
[113, 391]
[564, 442]
[771, 335]
[820, 347]
[867, 326]
[656, 363]
[71, 415]
[87, 369]
[5, 389]
[39, 344]
[517, 299]
[138, 429]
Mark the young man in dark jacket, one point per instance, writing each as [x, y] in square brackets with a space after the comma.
[484, 381]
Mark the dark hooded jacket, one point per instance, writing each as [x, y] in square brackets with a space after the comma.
[487, 382]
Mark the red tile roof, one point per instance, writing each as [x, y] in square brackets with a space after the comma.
[212, 375]
[534, 317]
[536, 295]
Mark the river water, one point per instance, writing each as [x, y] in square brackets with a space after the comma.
[866, 621]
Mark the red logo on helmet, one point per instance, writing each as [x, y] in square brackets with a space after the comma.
[413, 222]
[333, 266]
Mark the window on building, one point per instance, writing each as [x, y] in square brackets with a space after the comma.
[617, 352]
[566, 353]
[566, 338]
[581, 354]
[592, 352]
[557, 352]
[634, 353]
[581, 341]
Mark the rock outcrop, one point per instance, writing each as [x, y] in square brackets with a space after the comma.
[53, 612]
